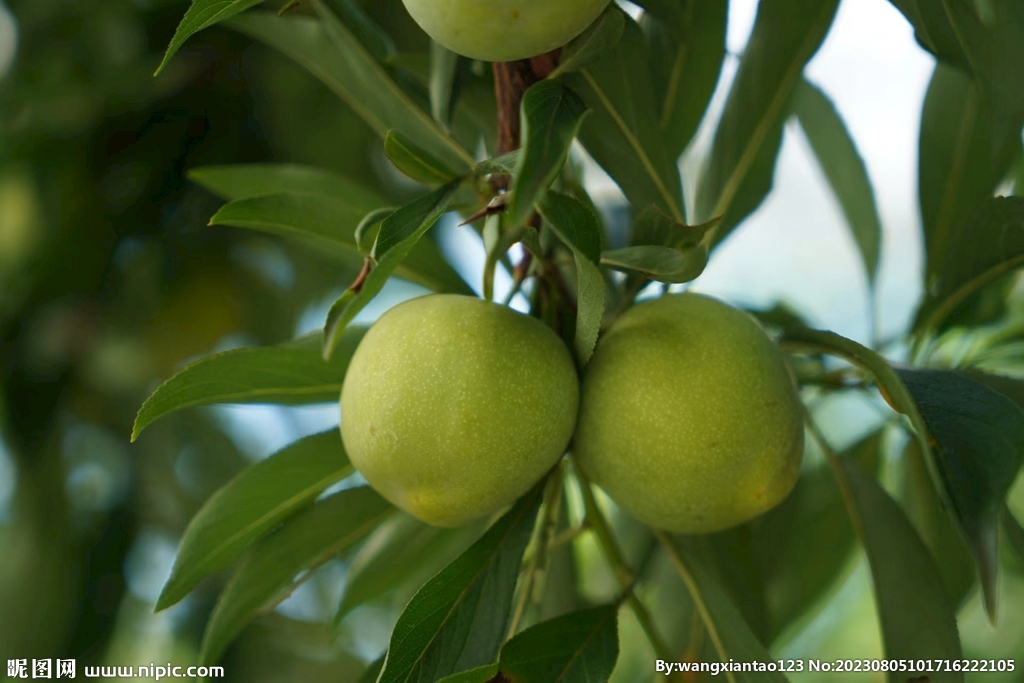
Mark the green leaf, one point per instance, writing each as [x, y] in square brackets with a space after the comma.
[505, 164]
[959, 167]
[1014, 533]
[254, 502]
[729, 634]
[330, 52]
[398, 236]
[580, 230]
[252, 180]
[458, 620]
[622, 132]
[979, 447]
[372, 671]
[551, 118]
[480, 674]
[917, 620]
[687, 51]
[804, 544]
[402, 552]
[368, 32]
[289, 374]
[202, 14]
[444, 71]
[988, 247]
[933, 30]
[600, 36]
[786, 35]
[268, 572]
[414, 162]
[844, 168]
[331, 222]
[581, 647]
[664, 264]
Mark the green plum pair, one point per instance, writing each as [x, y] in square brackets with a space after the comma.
[688, 418]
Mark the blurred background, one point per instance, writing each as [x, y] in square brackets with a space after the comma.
[110, 279]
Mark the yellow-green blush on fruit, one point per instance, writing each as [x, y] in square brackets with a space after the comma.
[504, 30]
[454, 407]
[689, 417]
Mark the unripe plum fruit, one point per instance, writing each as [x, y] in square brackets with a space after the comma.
[689, 417]
[504, 30]
[453, 407]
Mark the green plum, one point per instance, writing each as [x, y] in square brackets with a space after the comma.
[453, 407]
[689, 417]
[504, 30]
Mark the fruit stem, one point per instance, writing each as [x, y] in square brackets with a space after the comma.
[540, 541]
[596, 520]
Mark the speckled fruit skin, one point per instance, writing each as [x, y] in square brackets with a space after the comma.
[504, 30]
[689, 418]
[453, 407]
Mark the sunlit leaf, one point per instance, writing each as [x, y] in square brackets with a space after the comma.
[203, 14]
[328, 50]
[289, 374]
[268, 572]
[837, 154]
[551, 118]
[398, 236]
[622, 132]
[254, 502]
[786, 35]
[917, 619]
[458, 620]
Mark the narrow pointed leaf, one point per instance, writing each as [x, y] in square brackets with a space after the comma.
[444, 71]
[331, 222]
[202, 14]
[414, 162]
[622, 132]
[837, 154]
[268, 572]
[730, 636]
[979, 448]
[933, 30]
[581, 647]
[551, 117]
[664, 264]
[329, 51]
[599, 37]
[252, 180]
[402, 552]
[254, 502]
[917, 620]
[786, 35]
[580, 230]
[457, 621]
[399, 234]
[289, 374]
[990, 246]
[687, 52]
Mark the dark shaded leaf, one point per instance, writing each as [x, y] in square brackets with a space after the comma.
[202, 14]
[259, 498]
[622, 132]
[933, 30]
[329, 51]
[786, 35]
[399, 234]
[457, 621]
[917, 619]
[979, 435]
[268, 572]
[600, 36]
[414, 162]
[289, 374]
[551, 117]
[990, 246]
[844, 168]
[581, 647]
[687, 51]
